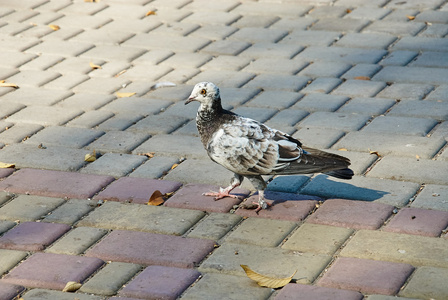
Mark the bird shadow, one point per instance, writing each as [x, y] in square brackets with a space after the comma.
[321, 188]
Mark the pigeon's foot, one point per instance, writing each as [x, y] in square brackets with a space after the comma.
[221, 194]
[261, 204]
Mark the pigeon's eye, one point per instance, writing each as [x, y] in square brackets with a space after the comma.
[203, 92]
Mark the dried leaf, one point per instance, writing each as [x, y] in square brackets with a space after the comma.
[54, 27]
[156, 198]
[342, 149]
[348, 10]
[151, 12]
[263, 280]
[5, 165]
[410, 17]
[362, 78]
[4, 84]
[93, 66]
[375, 152]
[174, 166]
[120, 73]
[124, 95]
[72, 286]
[148, 154]
[90, 157]
[417, 156]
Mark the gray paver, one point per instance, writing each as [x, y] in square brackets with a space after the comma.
[156, 167]
[165, 220]
[118, 142]
[405, 248]
[402, 91]
[270, 261]
[70, 137]
[257, 231]
[400, 125]
[69, 212]
[411, 169]
[341, 121]
[10, 258]
[28, 208]
[110, 279]
[433, 76]
[427, 282]
[114, 164]
[215, 226]
[432, 197]
[225, 286]
[77, 241]
[44, 115]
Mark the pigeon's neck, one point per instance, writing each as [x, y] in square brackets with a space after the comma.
[207, 120]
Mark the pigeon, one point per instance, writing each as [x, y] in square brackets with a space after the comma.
[251, 149]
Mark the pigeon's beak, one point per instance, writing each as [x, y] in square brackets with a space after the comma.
[190, 99]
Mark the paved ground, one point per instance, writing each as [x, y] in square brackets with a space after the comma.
[367, 79]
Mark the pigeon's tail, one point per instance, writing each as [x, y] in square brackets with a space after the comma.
[317, 161]
[342, 173]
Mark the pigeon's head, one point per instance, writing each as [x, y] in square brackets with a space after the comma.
[205, 93]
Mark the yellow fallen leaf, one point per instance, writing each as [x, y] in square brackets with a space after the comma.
[124, 95]
[267, 281]
[410, 17]
[93, 66]
[348, 10]
[375, 152]
[362, 78]
[72, 286]
[156, 198]
[90, 157]
[5, 84]
[5, 165]
[120, 73]
[54, 27]
[151, 12]
[417, 156]
[174, 166]
[342, 149]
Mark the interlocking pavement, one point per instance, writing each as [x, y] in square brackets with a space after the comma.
[365, 79]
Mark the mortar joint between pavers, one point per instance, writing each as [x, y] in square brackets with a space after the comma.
[442, 149]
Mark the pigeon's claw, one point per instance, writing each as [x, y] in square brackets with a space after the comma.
[223, 193]
[261, 204]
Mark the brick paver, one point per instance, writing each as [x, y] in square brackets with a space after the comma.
[363, 79]
[52, 271]
[157, 249]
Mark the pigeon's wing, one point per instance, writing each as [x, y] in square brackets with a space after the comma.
[244, 146]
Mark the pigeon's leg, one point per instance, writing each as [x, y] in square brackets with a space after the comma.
[235, 182]
[259, 183]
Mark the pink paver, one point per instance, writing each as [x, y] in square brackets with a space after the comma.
[418, 221]
[366, 276]
[285, 206]
[136, 190]
[152, 249]
[158, 282]
[55, 183]
[32, 236]
[190, 197]
[52, 271]
[352, 214]
[9, 291]
[6, 172]
[302, 291]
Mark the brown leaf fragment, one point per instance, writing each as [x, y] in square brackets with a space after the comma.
[348, 10]
[148, 154]
[120, 73]
[362, 78]
[174, 166]
[267, 281]
[93, 66]
[72, 286]
[3, 83]
[410, 17]
[124, 95]
[151, 12]
[54, 27]
[6, 165]
[156, 198]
